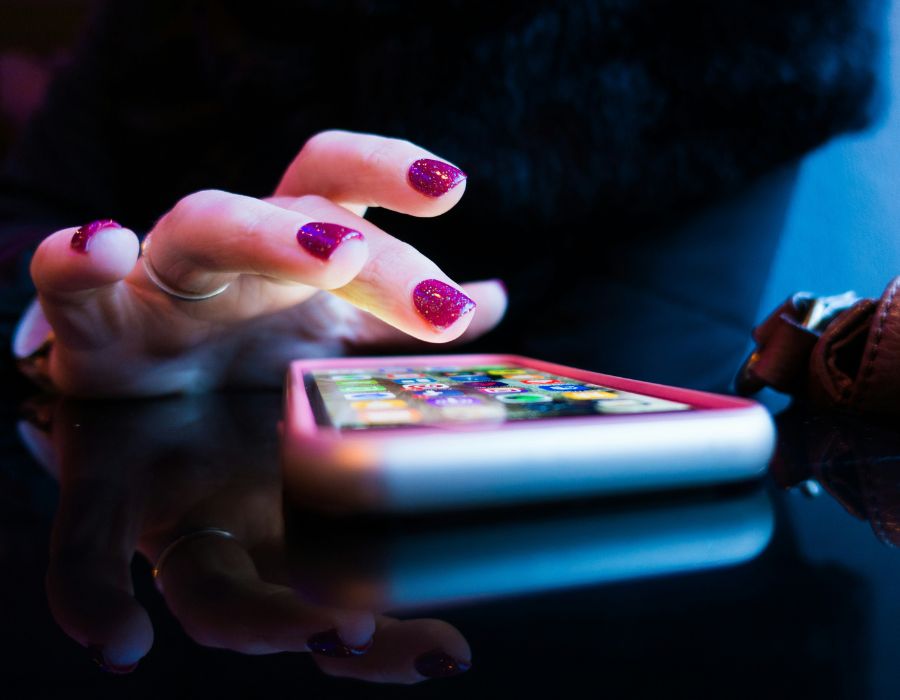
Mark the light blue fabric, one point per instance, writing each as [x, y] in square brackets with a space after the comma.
[843, 223]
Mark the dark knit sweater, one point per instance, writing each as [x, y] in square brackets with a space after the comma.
[592, 132]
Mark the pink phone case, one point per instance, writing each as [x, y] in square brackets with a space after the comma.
[725, 439]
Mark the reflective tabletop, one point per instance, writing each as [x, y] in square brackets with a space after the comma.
[779, 588]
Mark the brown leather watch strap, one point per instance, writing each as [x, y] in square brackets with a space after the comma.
[783, 349]
[877, 384]
[837, 352]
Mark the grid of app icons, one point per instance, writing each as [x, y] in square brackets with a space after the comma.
[432, 396]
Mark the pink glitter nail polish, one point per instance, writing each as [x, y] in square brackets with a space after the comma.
[434, 177]
[82, 237]
[440, 304]
[322, 239]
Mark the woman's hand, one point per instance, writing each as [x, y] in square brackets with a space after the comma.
[118, 333]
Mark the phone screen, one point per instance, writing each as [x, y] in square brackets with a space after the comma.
[411, 397]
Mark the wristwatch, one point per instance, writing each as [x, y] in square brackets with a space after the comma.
[834, 352]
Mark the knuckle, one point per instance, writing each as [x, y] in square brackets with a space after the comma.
[314, 206]
[381, 269]
[196, 204]
[382, 156]
[194, 200]
[313, 201]
[316, 147]
[320, 139]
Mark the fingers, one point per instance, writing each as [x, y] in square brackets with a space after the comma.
[211, 237]
[491, 300]
[364, 169]
[63, 267]
[212, 586]
[406, 652]
[397, 285]
[74, 278]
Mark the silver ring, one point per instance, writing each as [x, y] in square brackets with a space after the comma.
[167, 552]
[171, 291]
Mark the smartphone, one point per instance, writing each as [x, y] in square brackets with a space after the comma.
[415, 434]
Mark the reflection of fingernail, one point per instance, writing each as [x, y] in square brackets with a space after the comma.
[438, 664]
[329, 643]
[434, 177]
[83, 235]
[96, 652]
[440, 304]
[322, 239]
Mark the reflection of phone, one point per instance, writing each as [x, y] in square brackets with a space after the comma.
[420, 433]
[422, 564]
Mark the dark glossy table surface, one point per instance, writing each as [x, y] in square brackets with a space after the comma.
[785, 588]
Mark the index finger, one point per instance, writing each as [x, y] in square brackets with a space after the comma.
[368, 170]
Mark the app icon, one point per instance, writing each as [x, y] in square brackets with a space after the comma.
[563, 387]
[590, 395]
[377, 405]
[524, 398]
[472, 378]
[357, 388]
[431, 393]
[342, 386]
[349, 377]
[506, 372]
[443, 370]
[503, 390]
[391, 416]
[417, 380]
[481, 385]
[404, 375]
[370, 396]
[444, 401]
[537, 380]
[523, 377]
[423, 387]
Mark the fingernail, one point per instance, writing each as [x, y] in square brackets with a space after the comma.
[434, 177]
[438, 664]
[322, 239]
[440, 304]
[96, 652]
[329, 643]
[82, 237]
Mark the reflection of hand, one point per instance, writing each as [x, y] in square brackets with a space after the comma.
[136, 477]
[117, 333]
